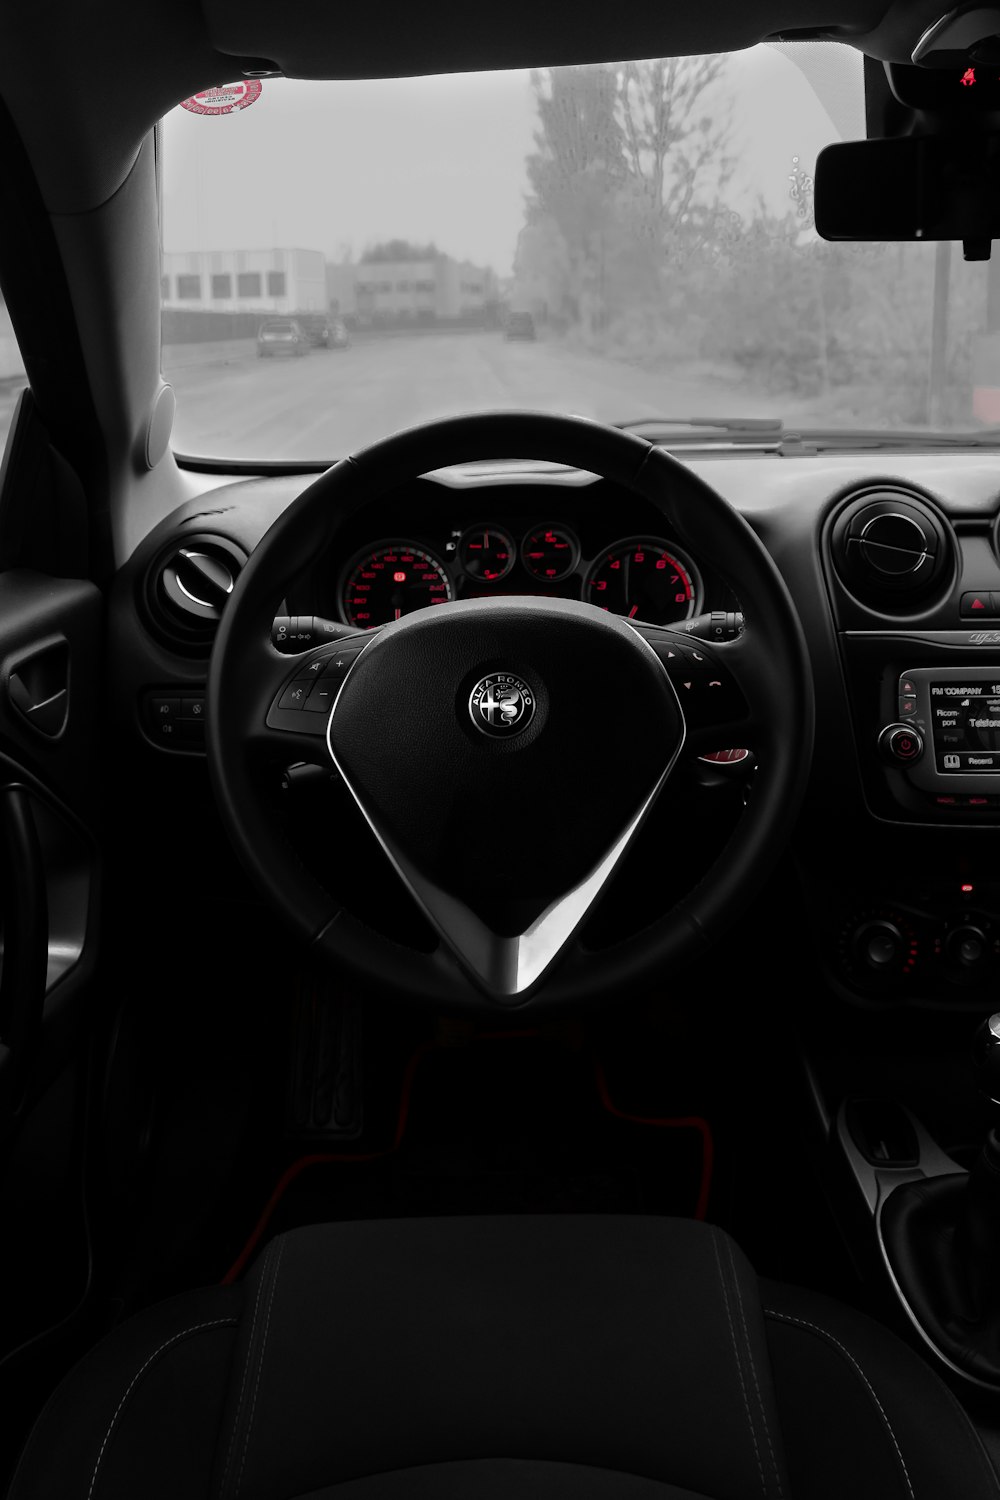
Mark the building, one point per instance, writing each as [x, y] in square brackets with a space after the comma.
[397, 293]
[245, 281]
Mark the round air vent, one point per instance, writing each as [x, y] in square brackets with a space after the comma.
[187, 587]
[890, 549]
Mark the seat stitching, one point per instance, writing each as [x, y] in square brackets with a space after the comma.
[174, 1339]
[260, 1366]
[753, 1369]
[246, 1367]
[823, 1333]
[739, 1367]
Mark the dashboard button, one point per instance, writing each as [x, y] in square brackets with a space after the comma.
[160, 709]
[296, 693]
[907, 706]
[901, 743]
[193, 708]
[975, 605]
[192, 731]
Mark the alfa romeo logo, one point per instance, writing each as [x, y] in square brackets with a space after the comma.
[501, 704]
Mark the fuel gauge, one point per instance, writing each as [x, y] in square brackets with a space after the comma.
[486, 553]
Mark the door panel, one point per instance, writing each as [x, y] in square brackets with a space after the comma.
[50, 696]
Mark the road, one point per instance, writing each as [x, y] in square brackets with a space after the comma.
[333, 402]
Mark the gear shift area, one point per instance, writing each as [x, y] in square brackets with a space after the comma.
[937, 1225]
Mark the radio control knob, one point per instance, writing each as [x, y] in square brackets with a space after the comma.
[968, 947]
[901, 743]
[879, 945]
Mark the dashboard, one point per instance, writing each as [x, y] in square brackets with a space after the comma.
[421, 548]
[895, 575]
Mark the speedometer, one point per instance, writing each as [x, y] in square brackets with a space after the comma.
[392, 580]
[644, 578]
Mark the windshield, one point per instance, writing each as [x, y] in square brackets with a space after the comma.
[627, 241]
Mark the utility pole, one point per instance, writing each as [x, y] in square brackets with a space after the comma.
[938, 374]
[986, 353]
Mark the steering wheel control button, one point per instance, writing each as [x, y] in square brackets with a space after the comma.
[296, 693]
[306, 698]
[502, 704]
[320, 700]
[707, 690]
[901, 743]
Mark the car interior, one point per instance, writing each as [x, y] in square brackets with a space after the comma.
[499, 906]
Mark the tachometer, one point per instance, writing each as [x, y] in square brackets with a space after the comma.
[393, 580]
[644, 578]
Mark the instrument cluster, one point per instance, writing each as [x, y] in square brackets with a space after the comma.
[643, 576]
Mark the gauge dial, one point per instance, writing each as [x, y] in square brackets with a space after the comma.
[393, 580]
[644, 578]
[550, 553]
[487, 553]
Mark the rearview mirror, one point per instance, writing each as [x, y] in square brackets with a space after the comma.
[932, 187]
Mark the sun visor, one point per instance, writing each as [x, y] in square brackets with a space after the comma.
[312, 39]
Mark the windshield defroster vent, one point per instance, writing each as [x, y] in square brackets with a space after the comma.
[187, 588]
[891, 549]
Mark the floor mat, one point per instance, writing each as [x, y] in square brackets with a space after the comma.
[511, 1124]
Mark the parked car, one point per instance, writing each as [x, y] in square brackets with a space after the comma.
[281, 336]
[520, 325]
[317, 328]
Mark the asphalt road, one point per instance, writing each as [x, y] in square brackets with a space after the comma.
[333, 402]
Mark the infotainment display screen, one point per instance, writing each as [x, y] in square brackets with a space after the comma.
[965, 718]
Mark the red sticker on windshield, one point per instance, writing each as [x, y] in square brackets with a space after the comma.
[224, 98]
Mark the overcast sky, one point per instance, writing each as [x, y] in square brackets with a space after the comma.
[337, 166]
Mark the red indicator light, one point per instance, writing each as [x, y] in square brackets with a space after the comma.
[966, 890]
[968, 78]
[399, 577]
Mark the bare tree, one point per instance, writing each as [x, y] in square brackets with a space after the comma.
[628, 166]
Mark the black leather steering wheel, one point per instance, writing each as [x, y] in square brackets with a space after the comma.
[509, 697]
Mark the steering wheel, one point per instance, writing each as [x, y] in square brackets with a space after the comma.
[502, 702]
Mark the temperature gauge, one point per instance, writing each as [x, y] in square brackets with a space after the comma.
[486, 553]
[551, 553]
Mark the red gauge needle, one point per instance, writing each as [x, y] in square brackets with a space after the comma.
[398, 613]
[633, 611]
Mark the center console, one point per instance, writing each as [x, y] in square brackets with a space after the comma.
[915, 594]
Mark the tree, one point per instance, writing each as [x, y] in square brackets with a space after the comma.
[574, 175]
[673, 152]
[626, 170]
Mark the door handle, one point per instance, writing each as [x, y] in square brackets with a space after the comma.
[38, 686]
